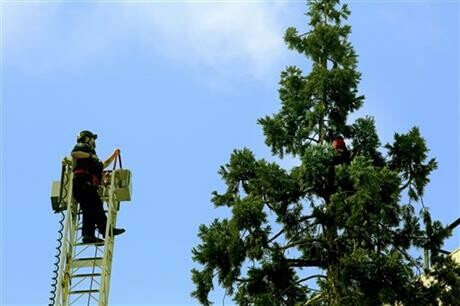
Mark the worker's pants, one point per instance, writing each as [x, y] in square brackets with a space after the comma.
[91, 206]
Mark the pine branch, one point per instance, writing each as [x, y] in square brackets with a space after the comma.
[304, 34]
[300, 242]
[269, 206]
[305, 218]
[303, 262]
[264, 198]
[454, 224]
[407, 184]
[276, 236]
[310, 277]
[242, 280]
[317, 298]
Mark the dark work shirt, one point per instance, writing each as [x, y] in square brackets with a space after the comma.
[91, 165]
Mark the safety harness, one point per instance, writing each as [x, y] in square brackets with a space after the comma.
[94, 178]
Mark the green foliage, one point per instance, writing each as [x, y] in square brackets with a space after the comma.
[407, 156]
[365, 141]
[273, 283]
[345, 217]
[316, 170]
[319, 103]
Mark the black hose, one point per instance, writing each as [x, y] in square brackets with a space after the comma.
[54, 279]
[63, 192]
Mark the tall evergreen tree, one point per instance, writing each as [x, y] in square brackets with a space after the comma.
[342, 212]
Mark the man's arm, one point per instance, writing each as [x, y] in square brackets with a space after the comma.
[82, 155]
[111, 158]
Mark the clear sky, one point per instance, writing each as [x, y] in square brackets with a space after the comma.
[177, 86]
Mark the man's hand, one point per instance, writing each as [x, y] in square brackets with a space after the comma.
[115, 153]
[112, 157]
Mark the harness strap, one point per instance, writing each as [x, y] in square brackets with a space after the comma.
[94, 179]
[117, 158]
[80, 171]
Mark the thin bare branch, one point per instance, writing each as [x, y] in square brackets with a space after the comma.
[300, 242]
[310, 277]
[407, 184]
[276, 236]
[303, 262]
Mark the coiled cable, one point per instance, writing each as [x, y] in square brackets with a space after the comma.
[62, 195]
[54, 278]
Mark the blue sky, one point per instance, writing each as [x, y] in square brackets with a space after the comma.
[177, 86]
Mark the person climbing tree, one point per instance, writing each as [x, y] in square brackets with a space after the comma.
[342, 154]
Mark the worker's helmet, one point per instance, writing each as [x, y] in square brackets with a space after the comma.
[84, 134]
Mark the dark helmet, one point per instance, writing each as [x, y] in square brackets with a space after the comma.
[84, 134]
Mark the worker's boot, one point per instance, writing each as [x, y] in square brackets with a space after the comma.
[118, 231]
[115, 231]
[92, 239]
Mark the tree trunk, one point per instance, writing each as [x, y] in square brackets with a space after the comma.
[333, 269]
